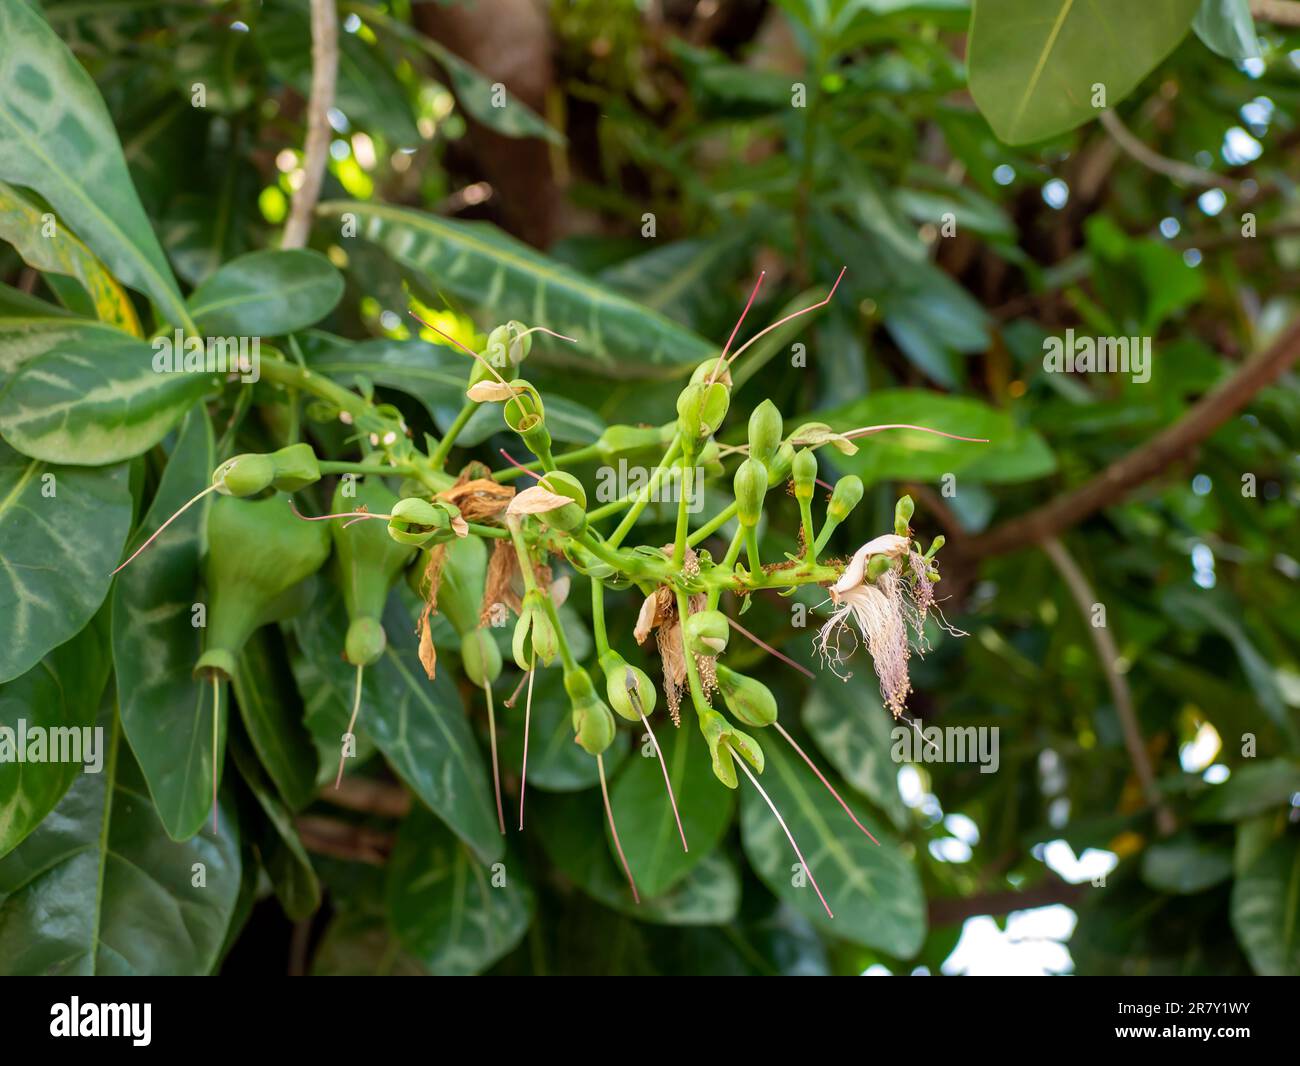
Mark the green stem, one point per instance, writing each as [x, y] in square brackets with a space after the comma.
[521, 550]
[683, 517]
[643, 497]
[439, 457]
[598, 618]
[809, 539]
[488, 531]
[331, 466]
[578, 455]
[728, 564]
[282, 372]
[713, 524]
[561, 641]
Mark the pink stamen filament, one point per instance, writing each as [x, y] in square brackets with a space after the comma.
[613, 829]
[184, 507]
[356, 516]
[663, 765]
[352, 722]
[921, 429]
[736, 328]
[793, 314]
[216, 710]
[447, 336]
[769, 649]
[496, 763]
[822, 778]
[788, 835]
[539, 478]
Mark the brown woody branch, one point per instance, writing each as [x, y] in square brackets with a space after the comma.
[324, 71]
[1281, 12]
[958, 909]
[339, 840]
[1144, 463]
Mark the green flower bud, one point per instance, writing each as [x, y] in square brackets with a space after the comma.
[570, 517]
[626, 440]
[804, 471]
[631, 692]
[935, 545]
[257, 552]
[724, 743]
[903, 511]
[480, 657]
[845, 496]
[524, 411]
[750, 486]
[365, 643]
[765, 427]
[712, 370]
[779, 468]
[706, 632]
[534, 633]
[368, 560]
[690, 411]
[244, 475]
[296, 467]
[416, 521]
[748, 700]
[593, 724]
[508, 344]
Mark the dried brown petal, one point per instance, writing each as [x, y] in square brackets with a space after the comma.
[536, 500]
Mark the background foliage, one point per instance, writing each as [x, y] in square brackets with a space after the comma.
[648, 160]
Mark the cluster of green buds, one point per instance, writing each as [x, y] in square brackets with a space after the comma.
[437, 527]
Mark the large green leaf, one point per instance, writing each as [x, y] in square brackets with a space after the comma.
[267, 293]
[1266, 909]
[647, 828]
[419, 725]
[40, 328]
[480, 264]
[360, 943]
[62, 529]
[60, 692]
[1252, 789]
[1228, 28]
[572, 830]
[97, 406]
[272, 712]
[450, 911]
[853, 730]
[167, 712]
[1034, 63]
[873, 890]
[56, 137]
[1013, 453]
[98, 888]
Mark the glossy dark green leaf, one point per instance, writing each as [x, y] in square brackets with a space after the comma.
[419, 725]
[97, 406]
[1034, 63]
[60, 692]
[272, 712]
[645, 818]
[873, 890]
[450, 911]
[852, 729]
[1266, 909]
[267, 293]
[480, 264]
[360, 943]
[32, 331]
[56, 137]
[167, 712]
[98, 888]
[62, 529]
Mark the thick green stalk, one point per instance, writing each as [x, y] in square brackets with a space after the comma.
[439, 458]
[643, 497]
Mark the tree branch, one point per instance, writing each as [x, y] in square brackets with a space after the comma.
[1280, 12]
[1108, 654]
[954, 910]
[339, 840]
[1144, 463]
[370, 796]
[1153, 160]
[324, 70]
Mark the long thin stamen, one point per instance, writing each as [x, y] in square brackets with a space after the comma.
[184, 507]
[769, 649]
[722, 359]
[356, 708]
[354, 515]
[496, 763]
[510, 700]
[528, 716]
[663, 764]
[539, 478]
[447, 336]
[788, 835]
[216, 711]
[793, 314]
[851, 434]
[613, 829]
[921, 733]
[822, 778]
[548, 332]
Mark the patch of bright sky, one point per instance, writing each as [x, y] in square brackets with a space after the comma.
[1032, 945]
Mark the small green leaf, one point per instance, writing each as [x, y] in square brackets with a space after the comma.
[62, 529]
[1228, 28]
[1266, 909]
[268, 293]
[1252, 789]
[1186, 865]
[451, 912]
